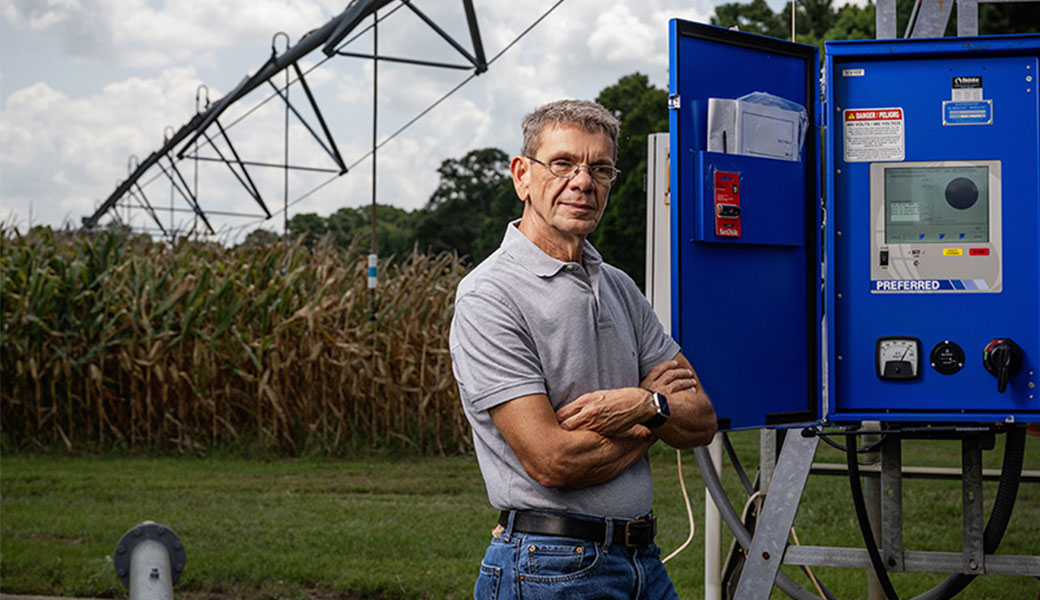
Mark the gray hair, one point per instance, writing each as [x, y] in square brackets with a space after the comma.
[584, 113]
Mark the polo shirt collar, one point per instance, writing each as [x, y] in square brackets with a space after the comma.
[536, 260]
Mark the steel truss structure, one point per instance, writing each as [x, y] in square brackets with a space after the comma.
[206, 128]
[929, 18]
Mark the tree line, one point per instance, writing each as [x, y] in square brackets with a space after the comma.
[474, 199]
[817, 21]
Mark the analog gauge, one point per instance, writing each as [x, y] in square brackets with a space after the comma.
[898, 357]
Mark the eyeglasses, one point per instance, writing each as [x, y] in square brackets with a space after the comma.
[568, 170]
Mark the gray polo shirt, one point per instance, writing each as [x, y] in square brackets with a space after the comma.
[526, 323]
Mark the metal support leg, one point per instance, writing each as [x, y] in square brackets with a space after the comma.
[892, 504]
[967, 18]
[774, 524]
[713, 532]
[872, 497]
[766, 458]
[974, 555]
[885, 20]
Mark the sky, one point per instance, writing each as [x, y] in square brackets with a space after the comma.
[88, 88]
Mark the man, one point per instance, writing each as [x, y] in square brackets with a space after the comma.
[567, 379]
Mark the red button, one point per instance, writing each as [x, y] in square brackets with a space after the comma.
[978, 251]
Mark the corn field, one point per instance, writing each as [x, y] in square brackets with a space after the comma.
[113, 341]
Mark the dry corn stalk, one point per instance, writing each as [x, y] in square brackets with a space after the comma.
[112, 340]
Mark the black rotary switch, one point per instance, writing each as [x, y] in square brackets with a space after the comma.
[1002, 358]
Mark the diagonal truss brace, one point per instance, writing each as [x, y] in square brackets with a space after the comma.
[142, 199]
[327, 37]
[184, 191]
[331, 149]
[244, 178]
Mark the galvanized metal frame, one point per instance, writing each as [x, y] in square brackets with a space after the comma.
[929, 18]
[769, 547]
[178, 146]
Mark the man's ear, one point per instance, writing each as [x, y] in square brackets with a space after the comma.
[521, 177]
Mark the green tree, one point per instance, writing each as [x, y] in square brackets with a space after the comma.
[311, 225]
[260, 237]
[642, 110]
[350, 224]
[469, 209]
[1009, 17]
[817, 16]
[818, 20]
[752, 17]
[394, 229]
[854, 23]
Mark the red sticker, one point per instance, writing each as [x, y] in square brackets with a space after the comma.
[727, 204]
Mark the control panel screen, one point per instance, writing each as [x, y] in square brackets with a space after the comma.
[937, 204]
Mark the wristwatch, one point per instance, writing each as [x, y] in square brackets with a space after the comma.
[661, 404]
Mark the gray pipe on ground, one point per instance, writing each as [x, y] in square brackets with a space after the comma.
[149, 559]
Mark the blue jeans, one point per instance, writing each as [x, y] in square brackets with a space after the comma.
[524, 566]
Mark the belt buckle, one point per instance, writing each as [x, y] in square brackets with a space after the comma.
[628, 533]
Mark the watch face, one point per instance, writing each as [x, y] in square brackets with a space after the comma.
[662, 404]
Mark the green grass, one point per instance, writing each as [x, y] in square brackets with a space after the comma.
[415, 528]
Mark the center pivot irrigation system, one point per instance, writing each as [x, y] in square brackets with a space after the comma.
[206, 130]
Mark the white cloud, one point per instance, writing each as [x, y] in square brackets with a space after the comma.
[620, 36]
[63, 151]
[134, 34]
[81, 145]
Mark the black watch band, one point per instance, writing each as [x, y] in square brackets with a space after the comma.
[661, 404]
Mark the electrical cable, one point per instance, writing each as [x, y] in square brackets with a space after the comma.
[747, 506]
[437, 102]
[276, 94]
[815, 432]
[729, 515]
[750, 488]
[866, 450]
[315, 66]
[812, 576]
[399, 130]
[864, 521]
[689, 509]
[386, 140]
[733, 458]
[758, 495]
[1000, 515]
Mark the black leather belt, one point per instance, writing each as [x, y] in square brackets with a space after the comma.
[636, 533]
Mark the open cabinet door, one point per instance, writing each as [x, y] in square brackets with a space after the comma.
[746, 297]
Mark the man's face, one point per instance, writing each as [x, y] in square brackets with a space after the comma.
[561, 208]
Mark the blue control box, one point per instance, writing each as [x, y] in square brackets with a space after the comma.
[865, 246]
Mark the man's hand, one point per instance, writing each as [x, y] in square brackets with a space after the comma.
[607, 412]
[669, 378]
[555, 457]
[613, 412]
[610, 412]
